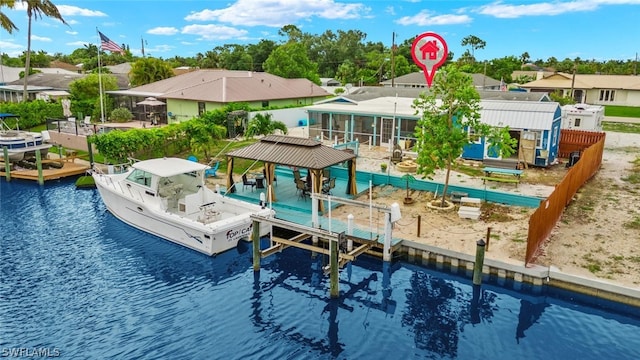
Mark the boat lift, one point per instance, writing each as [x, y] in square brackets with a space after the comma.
[337, 241]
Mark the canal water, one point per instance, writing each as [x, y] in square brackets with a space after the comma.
[78, 283]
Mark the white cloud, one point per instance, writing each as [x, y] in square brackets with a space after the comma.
[9, 45]
[163, 30]
[426, 18]
[214, 32]
[68, 10]
[78, 44]
[71, 32]
[277, 13]
[40, 38]
[501, 10]
[159, 49]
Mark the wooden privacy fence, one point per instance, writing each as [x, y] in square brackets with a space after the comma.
[548, 213]
[576, 140]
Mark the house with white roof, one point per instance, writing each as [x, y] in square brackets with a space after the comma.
[388, 120]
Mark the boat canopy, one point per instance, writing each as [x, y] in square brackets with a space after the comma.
[166, 167]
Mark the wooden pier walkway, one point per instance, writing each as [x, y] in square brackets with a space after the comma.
[68, 169]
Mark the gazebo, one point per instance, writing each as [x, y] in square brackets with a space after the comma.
[294, 152]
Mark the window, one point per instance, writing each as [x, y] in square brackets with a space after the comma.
[265, 104]
[576, 122]
[473, 137]
[607, 95]
[201, 108]
[538, 139]
[140, 177]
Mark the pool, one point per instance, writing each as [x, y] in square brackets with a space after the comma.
[76, 282]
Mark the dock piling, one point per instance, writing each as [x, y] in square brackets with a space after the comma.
[39, 166]
[7, 164]
[334, 287]
[255, 237]
[477, 267]
[350, 219]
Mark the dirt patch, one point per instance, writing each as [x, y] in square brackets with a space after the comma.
[598, 236]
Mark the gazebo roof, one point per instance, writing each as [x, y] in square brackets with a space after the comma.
[293, 151]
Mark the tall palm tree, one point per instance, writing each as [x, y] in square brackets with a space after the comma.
[37, 8]
[5, 22]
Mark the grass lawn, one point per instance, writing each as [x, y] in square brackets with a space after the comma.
[622, 111]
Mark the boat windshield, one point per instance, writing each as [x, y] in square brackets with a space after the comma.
[140, 177]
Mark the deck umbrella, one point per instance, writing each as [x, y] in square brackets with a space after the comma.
[150, 101]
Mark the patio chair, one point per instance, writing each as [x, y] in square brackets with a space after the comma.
[248, 182]
[302, 189]
[326, 188]
[213, 170]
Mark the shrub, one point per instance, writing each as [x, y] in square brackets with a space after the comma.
[121, 115]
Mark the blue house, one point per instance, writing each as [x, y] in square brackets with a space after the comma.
[535, 125]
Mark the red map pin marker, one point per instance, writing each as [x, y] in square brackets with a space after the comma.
[429, 51]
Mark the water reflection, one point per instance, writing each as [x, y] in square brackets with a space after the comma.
[529, 314]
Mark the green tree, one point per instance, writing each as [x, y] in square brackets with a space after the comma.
[85, 94]
[290, 61]
[260, 53]
[262, 124]
[5, 22]
[201, 134]
[148, 70]
[449, 113]
[234, 57]
[36, 9]
[474, 43]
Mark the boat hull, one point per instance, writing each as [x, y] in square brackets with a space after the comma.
[148, 215]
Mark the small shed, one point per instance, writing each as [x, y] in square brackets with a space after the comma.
[535, 126]
[294, 152]
[583, 117]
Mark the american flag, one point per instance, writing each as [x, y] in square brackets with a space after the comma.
[107, 44]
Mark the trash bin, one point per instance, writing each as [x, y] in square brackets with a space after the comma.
[573, 158]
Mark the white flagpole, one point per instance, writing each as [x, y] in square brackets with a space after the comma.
[100, 79]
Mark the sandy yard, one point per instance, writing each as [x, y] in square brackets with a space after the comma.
[598, 236]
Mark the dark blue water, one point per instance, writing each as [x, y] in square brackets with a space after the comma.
[77, 282]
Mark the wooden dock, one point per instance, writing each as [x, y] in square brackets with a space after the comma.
[68, 169]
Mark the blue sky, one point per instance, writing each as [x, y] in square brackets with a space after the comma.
[589, 29]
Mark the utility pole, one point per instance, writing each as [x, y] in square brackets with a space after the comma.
[573, 81]
[142, 40]
[393, 64]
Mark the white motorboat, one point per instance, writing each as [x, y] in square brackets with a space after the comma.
[168, 197]
[20, 144]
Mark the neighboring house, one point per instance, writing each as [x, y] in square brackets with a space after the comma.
[48, 86]
[417, 80]
[193, 93]
[385, 116]
[582, 117]
[536, 126]
[621, 90]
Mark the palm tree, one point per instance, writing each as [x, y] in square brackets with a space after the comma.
[37, 8]
[5, 22]
[262, 124]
